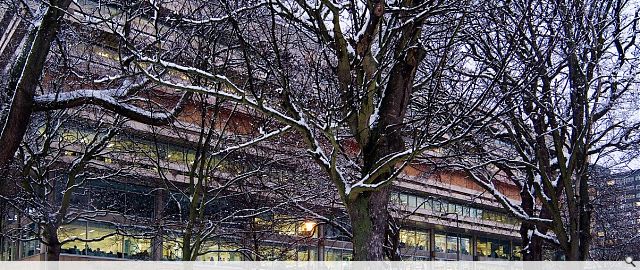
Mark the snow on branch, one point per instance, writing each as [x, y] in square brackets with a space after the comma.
[109, 99]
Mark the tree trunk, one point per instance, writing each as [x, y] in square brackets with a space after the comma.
[53, 252]
[533, 243]
[534, 250]
[368, 216]
[50, 236]
[586, 209]
[25, 78]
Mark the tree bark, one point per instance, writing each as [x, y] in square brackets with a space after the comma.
[534, 250]
[54, 247]
[368, 216]
[26, 75]
[53, 252]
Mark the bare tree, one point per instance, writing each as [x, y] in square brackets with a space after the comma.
[59, 158]
[343, 76]
[45, 21]
[565, 77]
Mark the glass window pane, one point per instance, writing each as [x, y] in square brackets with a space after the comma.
[428, 204]
[171, 249]
[412, 201]
[437, 205]
[419, 202]
[452, 208]
[440, 243]
[404, 198]
[422, 240]
[517, 252]
[465, 246]
[110, 246]
[75, 230]
[137, 248]
[452, 244]
[483, 247]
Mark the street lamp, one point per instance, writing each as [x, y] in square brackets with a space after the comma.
[457, 232]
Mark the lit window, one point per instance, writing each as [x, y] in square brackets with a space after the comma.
[638, 204]
[600, 234]
[611, 182]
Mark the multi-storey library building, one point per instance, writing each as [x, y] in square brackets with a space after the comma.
[443, 215]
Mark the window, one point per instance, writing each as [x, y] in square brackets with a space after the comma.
[228, 252]
[452, 244]
[137, 248]
[412, 201]
[440, 243]
[428, 204]
[170, 249]
[437, 206]
[404, 198]
[611, 182]
[395, 198]
[111, 246]
[451, 208]
[484, 247]
[474, 212]
[465, 246]
[337, 255]
[467, 211]
[638, 204]
[517, 252]
[307, 254]
[422, 240]
[414, 239]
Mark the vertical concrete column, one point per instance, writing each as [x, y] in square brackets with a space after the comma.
[474, 246]
[158, 212]
[321, 243]
[432, 244]
[18, 243]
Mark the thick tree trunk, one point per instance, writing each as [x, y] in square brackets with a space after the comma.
[50, 236]
[26, 76]
[586, 209]
[368, 216]
[53, 252]
[534, 245]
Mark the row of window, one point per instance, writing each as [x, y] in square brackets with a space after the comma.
[627, 180]
[443, 206]
[168, 152]
[454, 244]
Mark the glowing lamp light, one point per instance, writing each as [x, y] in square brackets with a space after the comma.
[308, 226]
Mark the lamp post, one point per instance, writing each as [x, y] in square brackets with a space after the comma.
[457, 232]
